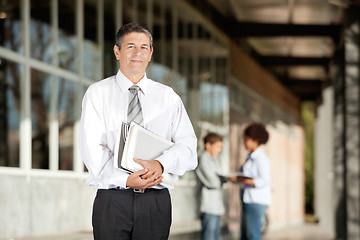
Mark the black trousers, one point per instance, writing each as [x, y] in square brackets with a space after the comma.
[124, 214]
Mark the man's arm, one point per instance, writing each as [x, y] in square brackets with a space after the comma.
[182, 156]
[207, 173]
[94, 151]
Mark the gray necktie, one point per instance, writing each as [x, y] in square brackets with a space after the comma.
[134, 110]
[134, 114]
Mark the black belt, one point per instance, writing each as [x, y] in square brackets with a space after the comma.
[135, 190]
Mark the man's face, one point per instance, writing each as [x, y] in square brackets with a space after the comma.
[215, 148]
[134, 55]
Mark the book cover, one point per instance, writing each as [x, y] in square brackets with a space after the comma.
[142, 143]
[233, 174]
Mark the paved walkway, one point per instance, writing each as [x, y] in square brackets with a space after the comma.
[303, 232]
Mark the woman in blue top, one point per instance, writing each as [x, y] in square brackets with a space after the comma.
[255, 193]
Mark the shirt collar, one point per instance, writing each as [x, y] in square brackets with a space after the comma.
[255, 153]
[125, 83]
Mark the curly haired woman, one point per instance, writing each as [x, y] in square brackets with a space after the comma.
[255, 193]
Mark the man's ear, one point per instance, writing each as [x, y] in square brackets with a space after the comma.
[207, 145]
[151, 52]
[117, 52]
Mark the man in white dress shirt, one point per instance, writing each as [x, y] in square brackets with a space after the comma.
[133, 206]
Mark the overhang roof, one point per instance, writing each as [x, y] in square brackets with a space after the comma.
[293, 39]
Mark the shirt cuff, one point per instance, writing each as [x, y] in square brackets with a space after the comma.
[167, 165]
[121, 180]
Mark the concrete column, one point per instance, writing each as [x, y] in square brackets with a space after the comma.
[347, 130]
[339, 146]
[324, 169]
[352, 121]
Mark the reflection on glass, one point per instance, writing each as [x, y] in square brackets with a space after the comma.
[10, 73]
[92, 60]
[67, 48]
[110, 64]
[67, 51]
[40, 31]
[213, 102]
[10, 26]
[40, 101]
[130, 11]
[163, 74]
[66, 118]
[91, 54]
[41, 46]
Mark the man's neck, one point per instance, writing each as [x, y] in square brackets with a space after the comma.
[134, 78]
[209, 153]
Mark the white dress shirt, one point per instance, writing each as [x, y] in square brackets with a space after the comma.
[104, 108]
[257, 166]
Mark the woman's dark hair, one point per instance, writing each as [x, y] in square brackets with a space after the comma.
[130, 28]
[212, 137]
[257, 132]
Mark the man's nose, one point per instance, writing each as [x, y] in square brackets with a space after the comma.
[137, 51]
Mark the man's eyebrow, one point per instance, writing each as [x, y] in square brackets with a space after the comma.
[143, 44]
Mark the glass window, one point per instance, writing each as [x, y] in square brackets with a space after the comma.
[66, 117]
[142, 16]
[130, 13]
[40, 103]
[11, 33]
[67, 49]
[91, 55]
[110, 64]
[10, 75]
[161, 34]
[41, 44]
[213, 102]
[235, 95]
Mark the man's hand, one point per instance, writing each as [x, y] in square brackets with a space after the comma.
[154, 168]
[148, 177]
[136, 180]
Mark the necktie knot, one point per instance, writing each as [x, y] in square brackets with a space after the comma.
[134, 89]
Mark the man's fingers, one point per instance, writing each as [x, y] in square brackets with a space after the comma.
[141, 172]
[138, 160]
[150, 174]
[154, 181]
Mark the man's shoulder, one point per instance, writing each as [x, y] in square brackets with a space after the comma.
[204, 157]
[103, 84]
[157, 87]
[155, 84]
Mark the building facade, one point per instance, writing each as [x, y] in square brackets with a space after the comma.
[51, 51]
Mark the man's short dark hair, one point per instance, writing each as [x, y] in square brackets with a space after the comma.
[130, 28]
[212, 138]
[257, 132]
